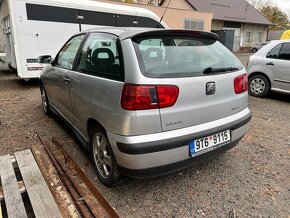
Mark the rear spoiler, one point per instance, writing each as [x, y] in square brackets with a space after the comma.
[166, 32]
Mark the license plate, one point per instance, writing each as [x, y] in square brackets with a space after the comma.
[202, 145]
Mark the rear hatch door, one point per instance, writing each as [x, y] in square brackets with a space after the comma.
[204, 71]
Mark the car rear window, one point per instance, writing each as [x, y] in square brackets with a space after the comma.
[181, 56]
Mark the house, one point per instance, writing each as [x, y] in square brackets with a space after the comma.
[250, 26]
[179, 14]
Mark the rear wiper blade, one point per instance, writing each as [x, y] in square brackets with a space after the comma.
[210, 70]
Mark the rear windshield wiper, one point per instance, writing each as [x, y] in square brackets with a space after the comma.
[210, 70]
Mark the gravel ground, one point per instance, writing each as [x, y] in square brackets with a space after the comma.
[251, 180]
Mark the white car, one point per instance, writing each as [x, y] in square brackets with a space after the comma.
[269, 69]
[254, 49]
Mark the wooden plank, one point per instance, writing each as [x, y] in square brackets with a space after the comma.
[13, 200]
[21, 186]
[40, 197]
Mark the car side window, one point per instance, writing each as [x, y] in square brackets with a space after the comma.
[67, 54]
[101, 57]
[285, 52]
[274, 52]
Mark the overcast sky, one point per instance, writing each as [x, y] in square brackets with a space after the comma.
[284, 5]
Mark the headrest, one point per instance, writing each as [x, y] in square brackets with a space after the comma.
[103, 56]
[153, 54]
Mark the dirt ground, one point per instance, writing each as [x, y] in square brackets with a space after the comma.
[251, 180]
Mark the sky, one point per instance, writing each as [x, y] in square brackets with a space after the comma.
[284, 5]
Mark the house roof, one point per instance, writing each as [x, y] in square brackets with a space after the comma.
[233, 10]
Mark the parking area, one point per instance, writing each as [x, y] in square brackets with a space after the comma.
[250, 180]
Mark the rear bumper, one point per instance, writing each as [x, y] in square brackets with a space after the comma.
[166, 169]
[161, 153]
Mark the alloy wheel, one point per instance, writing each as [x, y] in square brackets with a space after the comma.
[102, 156]
[44, 100]
[257, 86]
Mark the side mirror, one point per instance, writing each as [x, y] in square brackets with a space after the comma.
[44, 59]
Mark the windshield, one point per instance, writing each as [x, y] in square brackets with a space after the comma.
[182, 56]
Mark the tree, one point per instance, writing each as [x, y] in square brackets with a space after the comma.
[259, 3]
[276, 16]
[272, 13]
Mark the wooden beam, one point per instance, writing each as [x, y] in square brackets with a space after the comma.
[21, 186]
[41, 199]
[13, 200]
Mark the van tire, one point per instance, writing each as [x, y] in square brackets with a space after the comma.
[103, 157]
[259, 86]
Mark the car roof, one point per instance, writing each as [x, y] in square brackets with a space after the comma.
[265, 49]
[129, 32]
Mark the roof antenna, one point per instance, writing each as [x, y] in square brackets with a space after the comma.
[159, 24]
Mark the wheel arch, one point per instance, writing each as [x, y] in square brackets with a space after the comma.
[91, 124]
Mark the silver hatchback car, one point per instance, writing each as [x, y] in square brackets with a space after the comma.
[269, 69]
[146, 102]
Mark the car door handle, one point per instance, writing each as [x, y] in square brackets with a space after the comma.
[270, 63]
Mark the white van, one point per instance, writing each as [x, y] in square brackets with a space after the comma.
[36, 27]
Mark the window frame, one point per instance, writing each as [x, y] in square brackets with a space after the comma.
[280, 44]
[193, 20]
[250, 34]
[260, 39]
[120, 52]
[283, 44]
[55, 61]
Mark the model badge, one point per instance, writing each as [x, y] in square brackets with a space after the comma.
[210, 88]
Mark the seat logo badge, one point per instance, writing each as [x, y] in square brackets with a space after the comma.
[210, 88]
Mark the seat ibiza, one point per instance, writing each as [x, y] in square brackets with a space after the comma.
[146, 102]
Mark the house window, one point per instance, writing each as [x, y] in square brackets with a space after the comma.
[193, 24]
[259, 37]
[248, 37]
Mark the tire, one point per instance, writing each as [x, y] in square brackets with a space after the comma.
[254, 50]
[259, 86]
[44, 100]
[103, 157]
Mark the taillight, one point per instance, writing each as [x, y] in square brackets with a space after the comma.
[241, 83]
[143, 97]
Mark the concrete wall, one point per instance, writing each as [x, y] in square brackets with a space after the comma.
[275, 35]
[217, 25]
[177, 12]
[254, 29]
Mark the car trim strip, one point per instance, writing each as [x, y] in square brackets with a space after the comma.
[282, 81]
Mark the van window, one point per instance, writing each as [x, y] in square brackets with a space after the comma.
[181, 56]
[274, 52]
[100, 56]
[66, 56]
